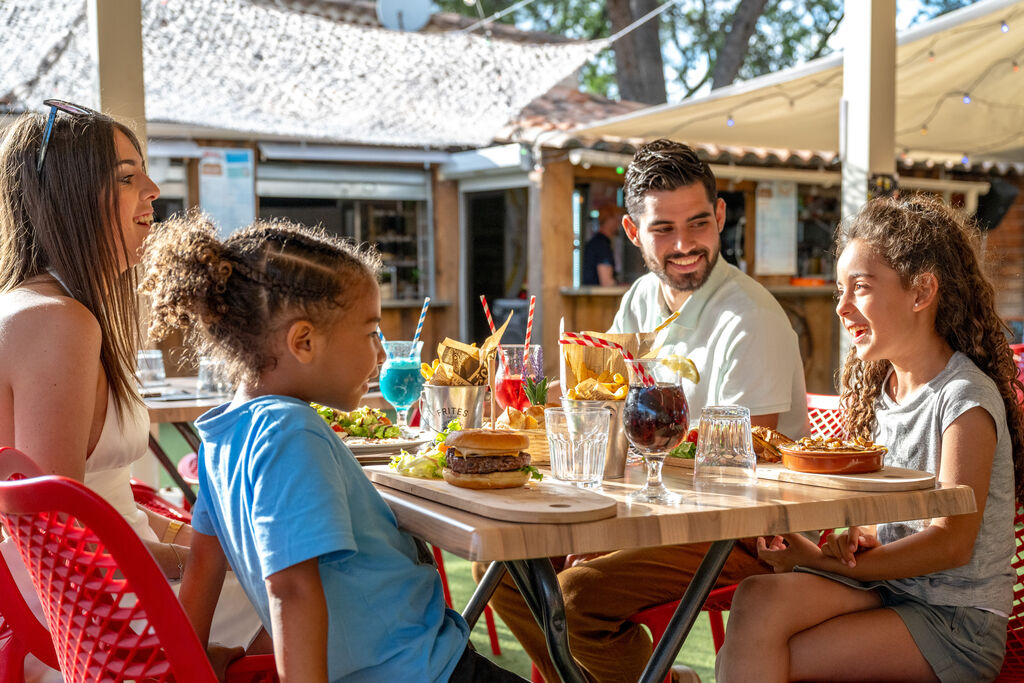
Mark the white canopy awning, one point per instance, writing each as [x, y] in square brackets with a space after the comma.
[972, 52]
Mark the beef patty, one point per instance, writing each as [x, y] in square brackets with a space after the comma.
[482, 464]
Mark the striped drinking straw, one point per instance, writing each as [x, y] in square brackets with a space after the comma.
[587, 340]
[487, 312]
[529, 320]
[419, 325]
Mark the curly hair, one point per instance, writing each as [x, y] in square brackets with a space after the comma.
[922, 235]
[230, 295]
[664, 165]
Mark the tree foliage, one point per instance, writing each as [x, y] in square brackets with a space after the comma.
[694, 34]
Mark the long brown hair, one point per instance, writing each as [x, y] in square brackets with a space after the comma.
[62, 219]
[231, 295]
[922, 235]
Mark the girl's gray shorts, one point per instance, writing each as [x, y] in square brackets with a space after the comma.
[959, 643]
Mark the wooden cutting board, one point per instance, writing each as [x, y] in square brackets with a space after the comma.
[545, 501]
[885, 479]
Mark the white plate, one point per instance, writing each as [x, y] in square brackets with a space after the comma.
[363, 446]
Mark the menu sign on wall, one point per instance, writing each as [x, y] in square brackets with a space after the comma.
[227, 187]
[776, 229]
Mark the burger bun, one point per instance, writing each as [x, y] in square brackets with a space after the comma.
[483, 440]
[493, 480]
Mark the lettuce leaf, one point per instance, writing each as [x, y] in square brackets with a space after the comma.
[686, 449]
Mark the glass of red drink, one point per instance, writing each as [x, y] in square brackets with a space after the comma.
[655, 418]
[516, 363]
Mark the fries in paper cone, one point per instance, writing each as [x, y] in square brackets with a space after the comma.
[462, 365]
[599, 374]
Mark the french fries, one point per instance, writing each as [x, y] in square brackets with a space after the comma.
[605, 386]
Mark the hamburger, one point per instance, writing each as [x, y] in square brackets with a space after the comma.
[487, 459]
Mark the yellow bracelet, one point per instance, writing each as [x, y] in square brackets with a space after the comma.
[171, 532]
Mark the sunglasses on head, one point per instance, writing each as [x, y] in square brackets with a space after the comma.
[67, 108]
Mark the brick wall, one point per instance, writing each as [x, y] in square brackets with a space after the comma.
[1004, 258]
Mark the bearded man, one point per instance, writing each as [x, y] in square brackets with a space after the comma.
[741, 341]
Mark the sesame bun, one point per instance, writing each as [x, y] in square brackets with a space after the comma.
[487, 441]
[491, 480]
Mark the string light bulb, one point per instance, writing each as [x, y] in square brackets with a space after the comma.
[931, 56]
[1016, 67]
[967, 98]
[965, 160]
[924, 130]
[1004, 27]
[729, 121]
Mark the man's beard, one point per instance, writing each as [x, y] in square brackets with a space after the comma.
[684, 282]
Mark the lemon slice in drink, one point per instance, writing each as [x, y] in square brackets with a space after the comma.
[684, 366]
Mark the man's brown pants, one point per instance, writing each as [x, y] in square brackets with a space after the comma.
[601, 594]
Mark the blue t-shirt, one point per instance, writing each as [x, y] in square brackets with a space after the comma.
[278, 487]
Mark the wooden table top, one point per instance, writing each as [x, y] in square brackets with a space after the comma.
[188, 410]
[712, 513]
[185, 410]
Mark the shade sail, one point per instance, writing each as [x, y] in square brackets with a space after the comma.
[272, 71]
[962, 52]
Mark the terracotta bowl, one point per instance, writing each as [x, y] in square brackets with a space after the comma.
[831, 462]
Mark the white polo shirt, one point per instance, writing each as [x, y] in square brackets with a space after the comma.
[739, 338]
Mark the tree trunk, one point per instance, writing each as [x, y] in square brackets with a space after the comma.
[639, 71]
[737, 41]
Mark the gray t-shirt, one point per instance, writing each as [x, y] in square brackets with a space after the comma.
[913, 432]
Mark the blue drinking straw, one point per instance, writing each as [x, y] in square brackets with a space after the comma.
[381, 335]
[419, 325]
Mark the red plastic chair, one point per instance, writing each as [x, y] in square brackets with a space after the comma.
[149, 498]
[21, 633]
[1013, 661]
[825, 415]
[111, 612]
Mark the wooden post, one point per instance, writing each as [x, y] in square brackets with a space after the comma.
[550, 250]
[115, 39]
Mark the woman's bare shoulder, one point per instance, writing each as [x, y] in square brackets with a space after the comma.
[39, 317]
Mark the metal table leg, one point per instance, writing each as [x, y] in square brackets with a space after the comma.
[687, 612]
[189, 434]
[165, 461]
[538, 584]
[484, 590]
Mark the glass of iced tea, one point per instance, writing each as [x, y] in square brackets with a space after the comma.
[655, 419]
[516, 363]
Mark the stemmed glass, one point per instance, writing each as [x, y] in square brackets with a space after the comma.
[400, 378]
[655, 418]
[516, 363]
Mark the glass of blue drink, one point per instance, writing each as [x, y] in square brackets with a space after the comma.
[400, 378]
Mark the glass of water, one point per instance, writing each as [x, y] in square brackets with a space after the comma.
[150, 368]
[578, 442]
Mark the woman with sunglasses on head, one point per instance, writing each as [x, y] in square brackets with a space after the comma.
[75, 206]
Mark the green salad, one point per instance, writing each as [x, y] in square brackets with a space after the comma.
[365, 422]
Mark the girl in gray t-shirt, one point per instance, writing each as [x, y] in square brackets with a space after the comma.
[931, 376]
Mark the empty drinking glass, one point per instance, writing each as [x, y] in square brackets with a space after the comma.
[578, 442]
[212, 377]
[725, 449]
[150, 368]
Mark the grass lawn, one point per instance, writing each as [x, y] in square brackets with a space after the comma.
[697, 652]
